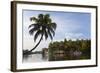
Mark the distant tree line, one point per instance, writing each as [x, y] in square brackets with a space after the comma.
[70, 50]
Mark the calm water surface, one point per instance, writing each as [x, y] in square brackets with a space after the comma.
[34, 58]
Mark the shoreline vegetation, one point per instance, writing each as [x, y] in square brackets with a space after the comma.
[65, 50]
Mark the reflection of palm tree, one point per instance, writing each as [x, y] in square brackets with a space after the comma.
[43, 26]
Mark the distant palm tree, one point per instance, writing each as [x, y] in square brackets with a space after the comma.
[43, 27]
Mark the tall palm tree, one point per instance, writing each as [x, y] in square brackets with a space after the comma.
[43, 27]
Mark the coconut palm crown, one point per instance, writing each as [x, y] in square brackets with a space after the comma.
[43, 27]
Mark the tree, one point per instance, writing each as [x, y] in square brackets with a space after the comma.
[43, 27]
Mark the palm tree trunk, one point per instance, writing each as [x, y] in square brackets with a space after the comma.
[37, 44]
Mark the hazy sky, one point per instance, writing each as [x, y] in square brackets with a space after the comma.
[70, 25]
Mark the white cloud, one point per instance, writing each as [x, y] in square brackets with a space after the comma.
[74, 36]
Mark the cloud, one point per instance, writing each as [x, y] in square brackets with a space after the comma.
[75, 36]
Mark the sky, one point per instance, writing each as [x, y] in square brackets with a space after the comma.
[70, 25]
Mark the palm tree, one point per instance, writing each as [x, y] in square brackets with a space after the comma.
[43, 27]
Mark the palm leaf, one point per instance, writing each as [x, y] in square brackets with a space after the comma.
[33, 25]
[50, 35]
[53, 25]
[47, 19]
[51, 31]
[34, 19]
[37, 34]
[32, 30]
[46, 34]
[40, 16]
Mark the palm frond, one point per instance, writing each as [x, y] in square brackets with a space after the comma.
[46, 34]
[34, 19]
[51, 31]
[32, 30]
[40, 16]
[32, 25]
[37, 34]
[50, 35]
[46, 15]
[54, 26]
[47, 19]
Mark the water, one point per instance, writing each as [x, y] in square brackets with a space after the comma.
[38, 57]
[34, 58]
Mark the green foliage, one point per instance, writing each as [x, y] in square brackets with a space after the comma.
[83, 47]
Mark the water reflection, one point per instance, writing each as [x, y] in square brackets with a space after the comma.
[34, 58]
